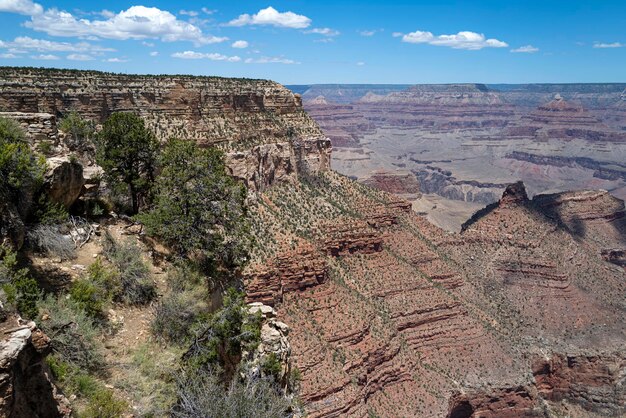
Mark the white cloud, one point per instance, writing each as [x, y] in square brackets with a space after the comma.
[80, 57]
[360, 63]
[8, 56]
[200, 55]
[45, 57]
[373, 32]
[154, 53]
[608, 45]
[137, 22]
[323, 31]
[462, 40]
[116, 60]
[107, 13]
[528, 49]
[208, 11]
[191, 13]
[270, 60]
[273, 17]
[397, 34]
[23, 7]
[240, 44]
[324, 40]
[43, 45]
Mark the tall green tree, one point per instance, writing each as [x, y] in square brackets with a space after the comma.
[127, 152]
[198, 208]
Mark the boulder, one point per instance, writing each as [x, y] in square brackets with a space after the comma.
[63, 180]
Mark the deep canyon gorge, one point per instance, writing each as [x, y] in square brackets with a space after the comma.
[432, 250]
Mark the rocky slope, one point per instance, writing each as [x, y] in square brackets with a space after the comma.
[517, 315]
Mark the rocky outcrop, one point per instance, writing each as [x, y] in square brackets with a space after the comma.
[509, 402]
[63, 181]
[25, 387]
[596, 382]
[273, 347]
[346, 236]
[291, 271]
[37, 126]
[396, 183]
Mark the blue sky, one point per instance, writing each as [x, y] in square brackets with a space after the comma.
[349, 41]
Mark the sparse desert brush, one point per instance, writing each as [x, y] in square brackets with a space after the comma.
[49, 240]
[74, 334]
[135, 285]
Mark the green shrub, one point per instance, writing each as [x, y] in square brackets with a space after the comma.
[21, 291]
[94, 291]
[100, 401]
[80, 132]
[45, 147]
[102, 404]
[178, 315]
[271, 366]
[222, 339]
[47, 212]
[21, 176]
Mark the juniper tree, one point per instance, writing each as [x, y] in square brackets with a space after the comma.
[127, 152]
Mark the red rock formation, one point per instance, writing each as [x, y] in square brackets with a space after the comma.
[291, 271]
[347, 236]
[503, 403]
[396, 183]
[590, 380]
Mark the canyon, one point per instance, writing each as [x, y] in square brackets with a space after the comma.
[466, 142]
[517, 312]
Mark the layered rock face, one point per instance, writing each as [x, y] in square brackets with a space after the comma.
[261, 122]
[465, 143]
[515, 316]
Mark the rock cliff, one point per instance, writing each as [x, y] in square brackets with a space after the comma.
[260, 123]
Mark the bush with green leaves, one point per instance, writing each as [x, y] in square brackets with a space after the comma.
[199, 210]
[126, 151]
[135, 285]
[95, 290]
[222, 339]
[21, 176]
[80, 132]
[21, 292]
[201, 394]
[98, 399]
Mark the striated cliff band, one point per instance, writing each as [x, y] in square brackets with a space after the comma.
[382, 312]
[260, 123]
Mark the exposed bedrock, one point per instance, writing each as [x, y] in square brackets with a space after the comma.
[595, 382]
[260, 123]
[25, 387]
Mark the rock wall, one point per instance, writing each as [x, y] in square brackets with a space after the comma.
[260, 123]
[38, 126]
[25, 389]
